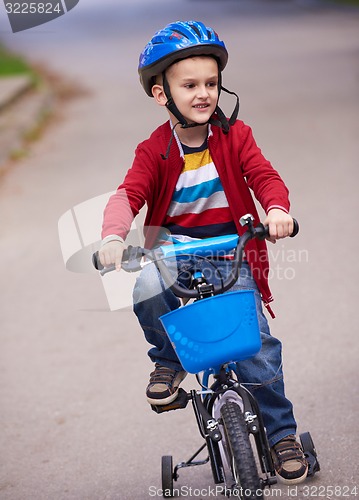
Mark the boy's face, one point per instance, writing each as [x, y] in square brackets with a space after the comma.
[194, 87]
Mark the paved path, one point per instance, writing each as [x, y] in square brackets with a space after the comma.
[74, 421]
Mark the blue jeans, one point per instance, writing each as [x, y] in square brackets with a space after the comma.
[261, 374]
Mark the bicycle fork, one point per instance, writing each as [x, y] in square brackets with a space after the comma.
[209, 426]
[208, 421]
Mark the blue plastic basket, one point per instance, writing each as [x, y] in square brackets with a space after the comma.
[214, 331]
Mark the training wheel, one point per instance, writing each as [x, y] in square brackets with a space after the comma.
[167, 476]
[310, 452]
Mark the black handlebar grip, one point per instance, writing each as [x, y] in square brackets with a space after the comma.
[126, 253]
[262, 231]
[295, 228]
[96, 262]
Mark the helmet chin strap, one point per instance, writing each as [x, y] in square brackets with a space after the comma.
[221, 120]
[171, 106]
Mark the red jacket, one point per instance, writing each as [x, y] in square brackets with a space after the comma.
[240, 165]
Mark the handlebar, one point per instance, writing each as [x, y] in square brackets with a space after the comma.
[133, 257]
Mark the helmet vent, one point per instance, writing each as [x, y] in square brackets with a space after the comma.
[198, 33]
[179, 33]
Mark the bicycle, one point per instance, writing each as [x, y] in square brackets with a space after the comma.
[227, 414]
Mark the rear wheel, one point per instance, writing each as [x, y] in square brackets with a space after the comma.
[239, 453]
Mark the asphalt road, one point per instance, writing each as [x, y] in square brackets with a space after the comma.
[74, 421]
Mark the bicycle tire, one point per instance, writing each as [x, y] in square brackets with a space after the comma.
[167, 476]
[239, 452]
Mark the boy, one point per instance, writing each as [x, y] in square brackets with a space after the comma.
[194, 173]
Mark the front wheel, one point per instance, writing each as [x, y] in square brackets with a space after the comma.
[239, 453]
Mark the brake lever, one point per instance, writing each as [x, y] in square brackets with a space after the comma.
[131, 259]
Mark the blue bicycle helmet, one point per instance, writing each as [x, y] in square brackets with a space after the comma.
[177, 41]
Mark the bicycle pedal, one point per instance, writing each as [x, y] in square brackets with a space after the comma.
[180, 402]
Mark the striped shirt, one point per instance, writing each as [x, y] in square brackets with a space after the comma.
[199, 207]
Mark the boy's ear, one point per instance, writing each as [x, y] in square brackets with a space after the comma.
[159, 94]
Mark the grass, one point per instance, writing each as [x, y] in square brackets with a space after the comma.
[57, 91]
[12, 64]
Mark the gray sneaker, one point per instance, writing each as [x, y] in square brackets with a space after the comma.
[163, 386]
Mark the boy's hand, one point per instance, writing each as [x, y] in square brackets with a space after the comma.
[111, 253]
[280, 224]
